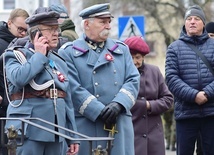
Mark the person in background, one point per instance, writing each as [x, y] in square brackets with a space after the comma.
[153, 99]
[192, 83]
[104, 82]
[66, 24]
[210, 29]
[14, 27]
[40, 89]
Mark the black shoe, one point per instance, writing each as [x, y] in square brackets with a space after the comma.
[167, 147]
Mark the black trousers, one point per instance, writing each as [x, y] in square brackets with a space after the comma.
[199, 146]
[187, 131]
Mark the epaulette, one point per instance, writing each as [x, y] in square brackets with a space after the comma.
[113, 48]
[56, 54]
[13, 48]
[120, 42]
[65, 45]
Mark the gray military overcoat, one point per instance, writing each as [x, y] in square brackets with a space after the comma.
[98, 77]
[37, 67]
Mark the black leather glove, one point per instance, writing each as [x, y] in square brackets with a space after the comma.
[110, 112]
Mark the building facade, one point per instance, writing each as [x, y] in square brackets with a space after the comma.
[29, 5]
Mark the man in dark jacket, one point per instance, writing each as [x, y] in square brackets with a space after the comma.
[192, 83]
[14, 27]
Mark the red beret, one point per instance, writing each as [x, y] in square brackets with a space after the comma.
[137, 45]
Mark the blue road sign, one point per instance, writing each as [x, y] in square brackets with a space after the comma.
[131, 26]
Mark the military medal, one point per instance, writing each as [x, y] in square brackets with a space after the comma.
[60, 76]
[109, 57]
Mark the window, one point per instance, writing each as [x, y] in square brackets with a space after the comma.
[8, 4]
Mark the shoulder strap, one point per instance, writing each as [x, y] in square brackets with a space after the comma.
[201, 56]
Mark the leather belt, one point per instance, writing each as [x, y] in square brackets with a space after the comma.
[47, 93]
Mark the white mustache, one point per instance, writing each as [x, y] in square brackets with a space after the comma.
[104, 33]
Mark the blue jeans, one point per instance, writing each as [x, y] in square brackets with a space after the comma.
[187, 131]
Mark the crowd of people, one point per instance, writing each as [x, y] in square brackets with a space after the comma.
[101, 87]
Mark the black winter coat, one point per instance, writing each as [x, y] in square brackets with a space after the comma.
[5, 38]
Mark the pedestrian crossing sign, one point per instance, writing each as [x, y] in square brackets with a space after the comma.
[131, 26]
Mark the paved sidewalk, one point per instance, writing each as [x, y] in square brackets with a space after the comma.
[168, 152]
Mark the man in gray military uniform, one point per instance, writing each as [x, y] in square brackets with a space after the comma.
[104, 82]
[38, 87]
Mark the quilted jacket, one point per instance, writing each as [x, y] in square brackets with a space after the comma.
[186, 75]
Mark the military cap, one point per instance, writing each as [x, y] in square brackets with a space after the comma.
[43, 15]
[59, 9]
[97, 10]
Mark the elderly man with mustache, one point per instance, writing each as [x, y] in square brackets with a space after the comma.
[104, 82]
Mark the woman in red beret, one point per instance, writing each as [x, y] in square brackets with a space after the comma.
[154, 99]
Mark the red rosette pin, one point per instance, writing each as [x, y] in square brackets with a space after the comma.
[109, 57]
[61, 77]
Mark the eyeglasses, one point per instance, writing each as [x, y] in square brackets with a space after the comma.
[19, 28]
[52, 30]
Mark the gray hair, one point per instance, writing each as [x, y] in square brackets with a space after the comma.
[91, 20]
